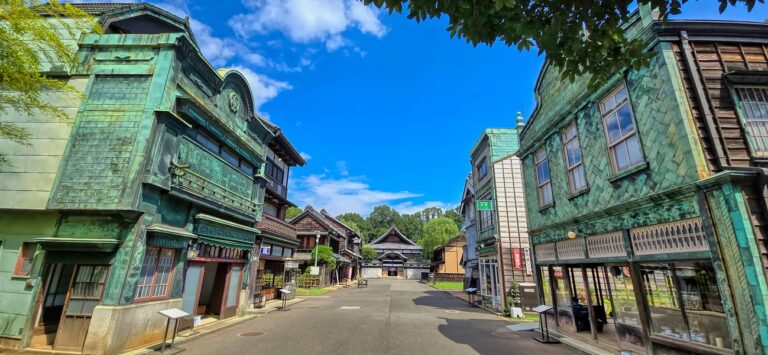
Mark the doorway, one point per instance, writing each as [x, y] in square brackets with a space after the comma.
[51, 304]
[392, 272]
[85, 292]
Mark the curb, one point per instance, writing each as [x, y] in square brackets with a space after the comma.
[149, 348]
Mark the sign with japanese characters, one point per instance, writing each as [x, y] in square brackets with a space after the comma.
[484, 205]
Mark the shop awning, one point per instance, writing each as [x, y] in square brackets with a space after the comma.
[165, 229]
[78, 244]
[221, 232]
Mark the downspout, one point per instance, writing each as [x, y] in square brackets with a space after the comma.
[699, 94]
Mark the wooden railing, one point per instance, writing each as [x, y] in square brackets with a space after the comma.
[274, 225]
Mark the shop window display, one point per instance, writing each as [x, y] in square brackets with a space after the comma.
[685, 302]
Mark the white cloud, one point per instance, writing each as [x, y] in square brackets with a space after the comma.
[341, 165]
[306, 21]
[410, 207]
[341, 195]
[263, 88]
[305, 156]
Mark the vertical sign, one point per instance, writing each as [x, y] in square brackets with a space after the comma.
[527, 256]
[517, 259]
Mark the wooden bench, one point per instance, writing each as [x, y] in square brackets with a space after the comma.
[362, 283]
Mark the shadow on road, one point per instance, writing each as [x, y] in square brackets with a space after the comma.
[492, 337]
[440, 299]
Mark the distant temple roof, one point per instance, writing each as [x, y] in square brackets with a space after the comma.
[405, 244]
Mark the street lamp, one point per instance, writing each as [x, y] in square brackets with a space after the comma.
[317, 246]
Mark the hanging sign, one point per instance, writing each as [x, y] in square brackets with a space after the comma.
[484, 205]
[291, 264]
[266, 249]
[527, 257]
[517, 258]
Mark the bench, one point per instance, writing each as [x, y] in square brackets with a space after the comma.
[362, 283]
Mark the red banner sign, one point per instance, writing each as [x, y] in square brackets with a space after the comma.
[517, 259]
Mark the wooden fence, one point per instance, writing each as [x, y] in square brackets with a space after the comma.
[445, 277]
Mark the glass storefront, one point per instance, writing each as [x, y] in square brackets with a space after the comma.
[685, 302]
[489, 283]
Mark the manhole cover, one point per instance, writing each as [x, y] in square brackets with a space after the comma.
[251, 334]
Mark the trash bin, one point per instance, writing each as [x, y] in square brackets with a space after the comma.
[432, 278]
[528, 299]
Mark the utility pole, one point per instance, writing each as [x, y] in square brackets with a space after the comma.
[317, 246]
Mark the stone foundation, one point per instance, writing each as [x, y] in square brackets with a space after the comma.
[115, 329]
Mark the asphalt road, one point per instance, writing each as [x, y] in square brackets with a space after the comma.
[388, 317]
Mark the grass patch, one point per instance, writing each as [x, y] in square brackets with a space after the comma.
[312, 291]
[451, 286]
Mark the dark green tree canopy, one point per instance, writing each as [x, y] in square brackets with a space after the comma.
[579, 37]
[368, 253]
[436, 232]
[292, 212]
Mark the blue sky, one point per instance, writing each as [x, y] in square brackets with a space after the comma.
[385, 109]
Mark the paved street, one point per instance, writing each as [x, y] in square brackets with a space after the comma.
[389, 317]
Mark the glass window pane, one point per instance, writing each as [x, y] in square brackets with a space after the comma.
[609, 103]
[621, 94]
[661, 295]
[612, 126]
[620, 154]
[546, 287]
[703, 305]
[207, 141]
[579, 181]
[635, 152]
[625, 119]
[246, 168]
[230, 157]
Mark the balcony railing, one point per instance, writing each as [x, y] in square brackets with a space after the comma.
[487, 233]
[277, 188]
[191, 182]
[274, 225]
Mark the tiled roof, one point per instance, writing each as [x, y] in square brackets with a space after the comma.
[98, 8]
[397, 233]
[395, 246]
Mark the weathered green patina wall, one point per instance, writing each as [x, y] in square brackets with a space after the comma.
[669, 155]
[16, 297]
[742, 266]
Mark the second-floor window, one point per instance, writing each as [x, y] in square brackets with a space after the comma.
[225, 153]
[274, 171]
[486, 217]
[620, 131]
[577, 179]
[753, 109]
[482, 169]
[543, 182]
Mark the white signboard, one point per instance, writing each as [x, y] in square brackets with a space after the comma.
[291, 264]
[174, 313]
[314, 270]
[527, 257]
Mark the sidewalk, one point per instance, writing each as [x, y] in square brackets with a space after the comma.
[187, 335]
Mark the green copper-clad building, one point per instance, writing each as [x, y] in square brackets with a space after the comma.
[147, 200]
[646, 195]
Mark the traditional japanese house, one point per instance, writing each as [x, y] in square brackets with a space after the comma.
[148, 201]
[446, 259]
[321, 228]
[501, 239]
[278, 240]
[469, 251]
[646, 195]
[396, 256]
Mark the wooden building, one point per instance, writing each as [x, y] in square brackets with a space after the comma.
[321, 228]
[446, 259]
[396, 256]
[646, 195]
[278, 239]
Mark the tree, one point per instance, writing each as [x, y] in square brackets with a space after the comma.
[27, 40]
[381, 219]
[578, 37]
[455, 216]
[368, 253]
[353, 220]
[410, 225]
[430, 213]
[292, 212]
[436, 232]
[324, 256]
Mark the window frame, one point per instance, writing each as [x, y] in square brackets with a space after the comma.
[742, 116]
[153, 283]
[482, 169]
[570, 170]
[20, 260]
[539, 184]
[611, 145]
